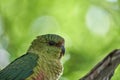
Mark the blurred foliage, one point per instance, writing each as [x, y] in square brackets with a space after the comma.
[91, 29]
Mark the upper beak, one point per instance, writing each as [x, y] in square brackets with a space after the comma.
[63, 50]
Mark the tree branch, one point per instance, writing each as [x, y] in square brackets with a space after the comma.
[104, 70]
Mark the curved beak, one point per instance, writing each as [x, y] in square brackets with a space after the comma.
[62, 50]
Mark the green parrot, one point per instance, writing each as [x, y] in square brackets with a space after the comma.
[41, 62]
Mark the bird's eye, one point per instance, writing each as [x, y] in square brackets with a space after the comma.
[52, 43]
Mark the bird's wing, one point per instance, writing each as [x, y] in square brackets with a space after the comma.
[20, 69]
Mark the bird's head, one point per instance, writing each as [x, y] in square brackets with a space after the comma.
[49, 44]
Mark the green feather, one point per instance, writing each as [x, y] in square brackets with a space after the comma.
[20, 69]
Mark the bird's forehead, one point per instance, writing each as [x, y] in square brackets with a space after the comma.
[52, 37]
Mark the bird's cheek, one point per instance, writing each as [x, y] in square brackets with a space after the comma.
[57, 53]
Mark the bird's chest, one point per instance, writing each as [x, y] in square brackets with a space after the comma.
[46, 71]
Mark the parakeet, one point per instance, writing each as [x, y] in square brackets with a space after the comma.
[41, 62]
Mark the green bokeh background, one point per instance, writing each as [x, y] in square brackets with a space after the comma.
[91, 29]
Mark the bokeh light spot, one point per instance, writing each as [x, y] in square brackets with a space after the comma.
[98, 20]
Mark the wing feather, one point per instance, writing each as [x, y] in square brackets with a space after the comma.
[20, 69]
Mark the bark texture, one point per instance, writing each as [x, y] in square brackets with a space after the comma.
[104, 70]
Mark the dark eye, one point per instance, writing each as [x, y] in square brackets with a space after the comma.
[52, 43]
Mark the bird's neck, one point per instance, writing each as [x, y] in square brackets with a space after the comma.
[52, 69]
[47, 69]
